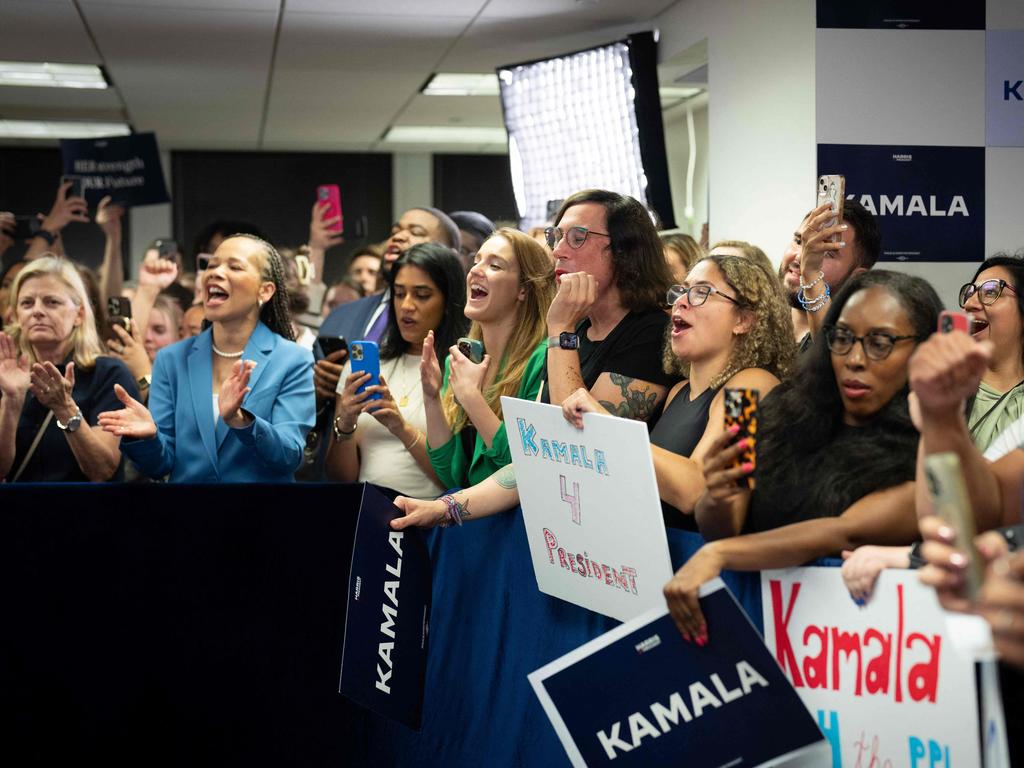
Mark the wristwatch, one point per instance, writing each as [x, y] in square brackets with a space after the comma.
[73, 423]
[48, 236]
[144, 381]
[564, 340]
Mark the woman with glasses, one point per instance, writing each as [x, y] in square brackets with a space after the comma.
[607, 321]
[836, 450]
[730, 328]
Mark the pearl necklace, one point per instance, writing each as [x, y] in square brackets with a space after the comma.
[221, 353]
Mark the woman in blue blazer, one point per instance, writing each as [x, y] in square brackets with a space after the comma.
[234, 403]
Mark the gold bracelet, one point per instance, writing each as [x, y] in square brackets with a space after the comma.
[415, 440]
[339, 433]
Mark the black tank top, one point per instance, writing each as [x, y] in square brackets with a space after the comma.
[679, 430]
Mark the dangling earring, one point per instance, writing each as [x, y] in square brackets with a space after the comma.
[259, 303]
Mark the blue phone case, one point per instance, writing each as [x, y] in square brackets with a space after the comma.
[365, 357]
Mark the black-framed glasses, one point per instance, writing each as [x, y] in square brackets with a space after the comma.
[575, 236]
[696, 295]
[988, 291]
[878, 345]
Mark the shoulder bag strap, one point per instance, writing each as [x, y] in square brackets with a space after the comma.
[32, 448]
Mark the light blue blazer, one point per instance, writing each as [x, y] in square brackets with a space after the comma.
[192, 448]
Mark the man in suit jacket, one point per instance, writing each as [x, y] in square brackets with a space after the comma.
[366, 319]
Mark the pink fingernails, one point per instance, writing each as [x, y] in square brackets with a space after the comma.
[958, 560]
[734, 429]
[747, 466]
[946, 533]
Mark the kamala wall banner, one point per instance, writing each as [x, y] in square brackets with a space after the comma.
[384, 657]
[884, 680]
[900, 14]
[641, 696]
[591, 508]
[929, 201]
[125, 167]
[1004, 88]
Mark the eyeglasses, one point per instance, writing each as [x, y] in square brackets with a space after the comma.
[877, 345]
[575, 236]
[696, 295]
[988, 291]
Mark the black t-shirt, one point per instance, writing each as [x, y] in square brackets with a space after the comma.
[633, 349]
[53, 461]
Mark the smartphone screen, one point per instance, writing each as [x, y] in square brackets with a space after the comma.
[75, 190]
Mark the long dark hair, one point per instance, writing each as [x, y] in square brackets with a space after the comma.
[802, 418]
[444, 269]
[641, 273]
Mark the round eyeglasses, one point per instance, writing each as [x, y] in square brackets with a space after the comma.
[696, 295]
[575, 236]
[988, 291]
[877, 344]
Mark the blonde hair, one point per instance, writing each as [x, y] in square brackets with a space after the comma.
[537, 277]
[85, 341]
[769, 343]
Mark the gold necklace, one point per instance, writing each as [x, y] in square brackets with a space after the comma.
[404, 399]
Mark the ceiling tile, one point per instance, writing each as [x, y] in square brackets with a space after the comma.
[39, 30]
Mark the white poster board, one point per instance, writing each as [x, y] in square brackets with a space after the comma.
[884, 681]
[591, 508]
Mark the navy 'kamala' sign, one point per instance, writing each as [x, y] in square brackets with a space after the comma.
[384, 660]
[640, 696]
[930, 201]
[900, 14]
[125, 167]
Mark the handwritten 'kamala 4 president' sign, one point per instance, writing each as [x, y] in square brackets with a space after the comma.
[884, 681]
[591, 508]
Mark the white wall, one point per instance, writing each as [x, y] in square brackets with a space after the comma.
[677, 146]
[761, 166]
[412, 181]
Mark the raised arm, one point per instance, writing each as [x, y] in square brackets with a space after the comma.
[576, 295]
[65, 210]
[108, 217]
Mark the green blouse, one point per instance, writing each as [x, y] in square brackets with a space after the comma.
[992, 413]
[454, 467]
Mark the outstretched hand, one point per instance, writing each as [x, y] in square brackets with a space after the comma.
[134, 420]
[15, 379]
[419, 513]
[430, 369]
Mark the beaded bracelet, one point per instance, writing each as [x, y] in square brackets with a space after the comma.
[814, 282]
[453, 513]
[813, 305]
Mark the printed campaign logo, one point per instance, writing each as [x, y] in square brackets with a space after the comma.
[900, 14]
[127, 168]
[1004, 88]
[929, 201]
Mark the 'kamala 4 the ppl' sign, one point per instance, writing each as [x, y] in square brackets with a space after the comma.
[884, 681]
[591, 509]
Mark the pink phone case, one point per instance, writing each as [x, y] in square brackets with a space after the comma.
[332, 195]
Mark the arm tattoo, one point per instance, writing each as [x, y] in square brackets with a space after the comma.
[636, 403]
[463, 508]
[506, 477]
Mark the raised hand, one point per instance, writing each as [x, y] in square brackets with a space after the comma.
[419, 513]
[65, 210]
[430, 369]
[109, 217]
[7, 226]
[53, 390]
[157, 272]
[944, 371]
[320, 234]
[134, 420]
[127, 348]
[233, 392]
[577, 293]
[816, 240]
[15, 378]
[327, 374]
[720, 474]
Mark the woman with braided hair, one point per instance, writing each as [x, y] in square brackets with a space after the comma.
[234, 403]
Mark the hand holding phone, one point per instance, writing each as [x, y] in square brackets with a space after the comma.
[950, 502]
[472, 348]
[331, 344]
[365, 358]
[331, 194]
[741, 410]
[119, 312]
[954, 321]
[832, 190]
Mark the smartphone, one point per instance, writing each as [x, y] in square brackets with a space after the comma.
[165, 247]
[202, 262]
[332, 195]
[741, 409]
[954, 321]
[75, 190]
[832, 189]
[950, 501]
[331, 344]
[365, 358]
[472, 348]
[119, 312]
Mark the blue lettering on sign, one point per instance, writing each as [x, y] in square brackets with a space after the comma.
[831, 731]
[938, 756]
[1012, 89]
[572, 454]
[526, 434]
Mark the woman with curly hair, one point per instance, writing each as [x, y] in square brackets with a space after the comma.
[836, 449]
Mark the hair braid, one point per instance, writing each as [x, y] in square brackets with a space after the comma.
[275, 313]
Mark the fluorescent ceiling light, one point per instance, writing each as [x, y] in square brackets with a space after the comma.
[444, 134]
[60, 129]
[458, 84]
[36, 75]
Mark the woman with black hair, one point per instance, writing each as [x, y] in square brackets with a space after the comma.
[836, 449]
[234, 403]
[382, 441]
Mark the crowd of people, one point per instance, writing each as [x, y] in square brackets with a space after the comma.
[219, 377]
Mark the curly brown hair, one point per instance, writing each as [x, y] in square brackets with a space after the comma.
[769, 344]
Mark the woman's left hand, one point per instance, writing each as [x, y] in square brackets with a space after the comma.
[681, 593]
[384, 410]
[127, 348]
[466, 378]
[233, 392]
[578, 403]
[53, 390]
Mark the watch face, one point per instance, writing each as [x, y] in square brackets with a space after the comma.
[569, 341]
